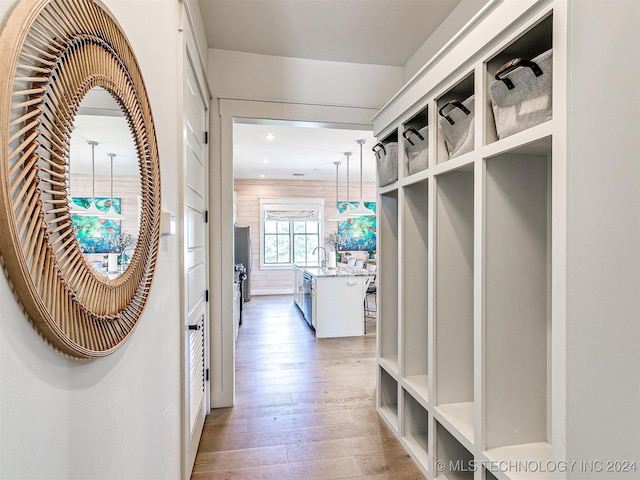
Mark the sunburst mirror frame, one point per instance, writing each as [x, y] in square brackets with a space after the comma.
[52, 53]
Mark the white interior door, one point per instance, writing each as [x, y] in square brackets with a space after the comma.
[195, 263]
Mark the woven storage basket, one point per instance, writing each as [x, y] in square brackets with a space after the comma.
[521, 95]
[457, 126]
[416, 147]
[387, 160]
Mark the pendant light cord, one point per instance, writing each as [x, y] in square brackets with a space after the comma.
[93, 170]
[337, 164]
[111, 155]
[348, 206]
[361, 142]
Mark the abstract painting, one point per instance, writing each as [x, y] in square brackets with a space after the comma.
[95, 234]
[358, 233]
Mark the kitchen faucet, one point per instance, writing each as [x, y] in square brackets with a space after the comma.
[323, 263]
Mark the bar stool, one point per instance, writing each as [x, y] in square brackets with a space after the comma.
[372, 290]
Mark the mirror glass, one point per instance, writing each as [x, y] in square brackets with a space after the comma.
[104, 186]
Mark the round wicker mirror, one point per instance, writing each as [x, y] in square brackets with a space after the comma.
[53, 52]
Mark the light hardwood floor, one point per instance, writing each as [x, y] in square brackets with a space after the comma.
[305, 408]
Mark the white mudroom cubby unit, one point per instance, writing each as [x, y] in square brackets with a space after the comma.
[509, 274]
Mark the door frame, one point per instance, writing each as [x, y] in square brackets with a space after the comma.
[221, 226]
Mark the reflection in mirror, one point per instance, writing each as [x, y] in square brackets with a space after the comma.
[104, 184]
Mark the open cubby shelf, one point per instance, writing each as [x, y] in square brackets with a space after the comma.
[531, 43]
[416, 137]
[388, 398]
[459, 419]
[516, 299]
[390, 364]
[522, 461]
[388, 278]
[454, 259]
[414, 281]
[453, 460]
[418, 385]
[415, 433]
[462, 92]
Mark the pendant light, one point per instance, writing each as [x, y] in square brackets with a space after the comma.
[347, 210]
[361, 210]
[111, 214]
[347, 213]
[336, 217]
[93, 209]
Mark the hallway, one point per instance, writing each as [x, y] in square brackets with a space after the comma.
[305, 408]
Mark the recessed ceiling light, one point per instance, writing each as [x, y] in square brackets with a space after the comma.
[269, 137]
[265, 160]
[262, 175]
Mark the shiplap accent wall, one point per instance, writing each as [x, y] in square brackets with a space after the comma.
[249, 192]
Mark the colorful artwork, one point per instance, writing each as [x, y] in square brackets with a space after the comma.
[358, 233]
[95, 234]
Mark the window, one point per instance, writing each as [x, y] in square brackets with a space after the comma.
[291, 228]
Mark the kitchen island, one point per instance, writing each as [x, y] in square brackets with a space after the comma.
[332, 299]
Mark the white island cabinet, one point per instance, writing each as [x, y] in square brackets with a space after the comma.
[337, 299]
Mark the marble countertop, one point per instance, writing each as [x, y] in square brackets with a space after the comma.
[341, 270]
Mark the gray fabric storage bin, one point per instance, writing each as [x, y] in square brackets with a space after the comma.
[416, 147]
[387, 160]
[457, 126]
[521, 95]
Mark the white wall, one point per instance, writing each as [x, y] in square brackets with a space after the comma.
[116, 417]
[460, 15]
[264, 77]
[603, 239]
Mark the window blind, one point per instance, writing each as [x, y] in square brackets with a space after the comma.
[291, 213]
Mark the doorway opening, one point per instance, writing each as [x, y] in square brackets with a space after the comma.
[292, 164]
[234, 115]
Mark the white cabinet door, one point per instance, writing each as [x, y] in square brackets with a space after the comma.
[298, 287]
[314, 303]
[339, 307]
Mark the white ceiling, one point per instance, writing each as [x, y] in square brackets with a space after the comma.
[303, 152]
[380, 32]
[101, 120]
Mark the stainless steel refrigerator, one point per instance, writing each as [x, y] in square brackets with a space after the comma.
[242, 254]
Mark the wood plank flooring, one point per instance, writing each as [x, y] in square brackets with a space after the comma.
[305, 408]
